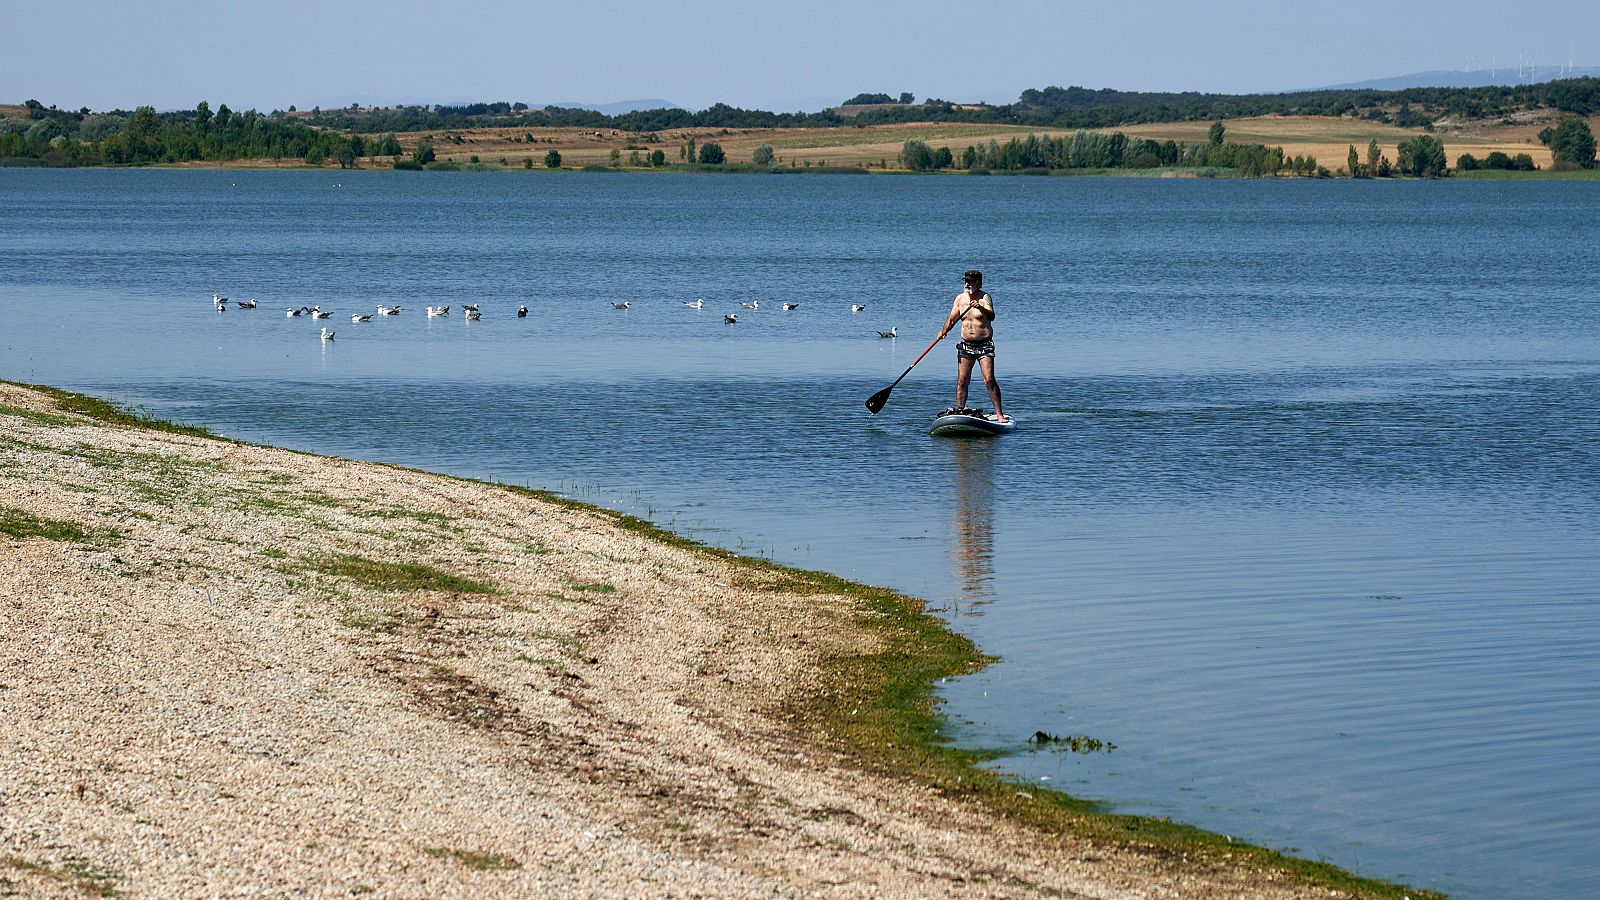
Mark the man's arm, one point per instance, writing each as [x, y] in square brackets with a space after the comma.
[956, 312]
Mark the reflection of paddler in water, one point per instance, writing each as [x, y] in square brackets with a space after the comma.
[973, 552]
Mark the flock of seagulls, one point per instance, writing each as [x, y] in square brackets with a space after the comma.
[472, 314]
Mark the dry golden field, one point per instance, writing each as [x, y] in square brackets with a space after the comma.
[1326, 138]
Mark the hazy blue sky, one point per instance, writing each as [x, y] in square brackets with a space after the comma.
[782, 56]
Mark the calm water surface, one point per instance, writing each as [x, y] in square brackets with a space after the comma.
[1300, 515]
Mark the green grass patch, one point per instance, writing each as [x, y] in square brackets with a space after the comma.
[388, 576]
[79, 874]
[22, 524]
[1540, 175]
[109, 413]
[33, 415]
[593, 587]
[472, 859]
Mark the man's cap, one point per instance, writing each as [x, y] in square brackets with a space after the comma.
[972, 275]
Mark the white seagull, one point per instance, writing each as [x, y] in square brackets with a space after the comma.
[893, 331]
[696, 303]
[730, 318]
[789, 306]
[319, 314]
[327, 335]
[358, 317]
[522, 311]
[435, 312]
[857, 307]
[753, 304]
[291, 312]
[471, 306]
[247, 304]
[623, 305]
[473, 315]
[388, 310]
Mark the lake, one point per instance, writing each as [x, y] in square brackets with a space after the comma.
[1300, 514]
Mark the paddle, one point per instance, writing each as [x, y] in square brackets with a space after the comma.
[876, 401]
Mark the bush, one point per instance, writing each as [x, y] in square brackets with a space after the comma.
[406, 165]
[1570, 142]
[658, 158]
[763, 155]
[916, 156]
[552, 160]
[711, 154]
[423, 154]
[1422, 155]
[1466, 162]
[527, 162]
[474, 159]
[1522, 162]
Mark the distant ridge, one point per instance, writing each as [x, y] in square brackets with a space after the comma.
[1444, 78]
[619, 107]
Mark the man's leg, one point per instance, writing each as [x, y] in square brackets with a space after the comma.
[963, 376]
[989, 382]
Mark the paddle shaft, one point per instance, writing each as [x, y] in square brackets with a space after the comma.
[883, 396]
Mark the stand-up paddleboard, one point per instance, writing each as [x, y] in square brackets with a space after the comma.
[958, 422]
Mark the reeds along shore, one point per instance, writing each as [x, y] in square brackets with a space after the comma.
[227, 668]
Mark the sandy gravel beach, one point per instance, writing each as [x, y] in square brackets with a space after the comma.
[229, 670]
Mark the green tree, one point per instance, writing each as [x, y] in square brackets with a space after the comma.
[1372, 157]
[658, 158]
[552, 160]
[916, 156]
[690, 154]
[389, 146]
[943, 158]
[711, 154]
[1216, 133]
[615, 158]
[527, 162]
[762, 156]
[633, 159]
[1422, 155]
[907, 98]
[1571, 143]
[1466, 162]
[423, 154]
[346, 153]
[1353, 162]
[202, 116]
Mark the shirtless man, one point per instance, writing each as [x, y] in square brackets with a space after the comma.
[974, 309]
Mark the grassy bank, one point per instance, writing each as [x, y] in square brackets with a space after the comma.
[879, 709]
[1541, 175]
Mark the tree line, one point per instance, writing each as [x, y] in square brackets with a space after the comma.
[143, 136]
[1115, 150]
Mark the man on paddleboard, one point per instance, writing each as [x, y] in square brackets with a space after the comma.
[974, 309]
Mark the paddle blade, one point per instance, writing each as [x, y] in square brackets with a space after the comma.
[876, 401]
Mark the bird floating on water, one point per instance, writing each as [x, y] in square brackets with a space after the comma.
[730, 318]
[358, 317]
[753, 304]
[623, 305]
[471, 306]
[388, 310]
[291, 312]
[319, 314]
[696, 303]
[522, 311]
[789, 306]
[327, 335]
[857, 307]
[435, 312]
[473, 315]
[247, 304]
[893, 331]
